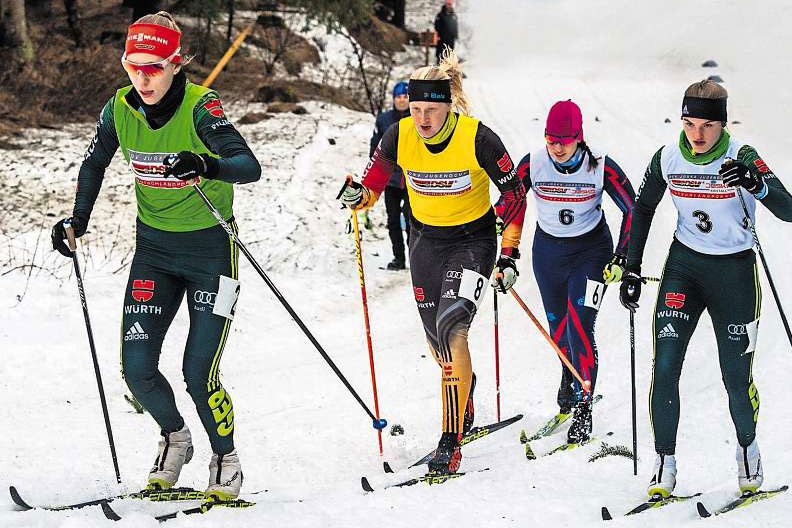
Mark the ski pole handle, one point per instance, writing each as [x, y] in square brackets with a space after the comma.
[67, 227]
[347, 182]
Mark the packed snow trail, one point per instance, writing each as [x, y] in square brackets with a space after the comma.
[299, 433]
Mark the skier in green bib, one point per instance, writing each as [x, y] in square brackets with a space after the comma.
[173, 135]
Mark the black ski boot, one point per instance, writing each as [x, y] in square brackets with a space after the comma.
[447, 456]
[580, 430]
[395, 265]
[467, 424]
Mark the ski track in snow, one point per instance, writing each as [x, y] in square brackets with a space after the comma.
[300, 434]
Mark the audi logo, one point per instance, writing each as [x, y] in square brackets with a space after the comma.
[202, 297]
[451, 274]
[737, 329]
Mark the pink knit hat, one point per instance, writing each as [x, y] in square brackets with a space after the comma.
[564, 123]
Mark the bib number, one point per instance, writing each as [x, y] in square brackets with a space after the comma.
[594, 293]
[704, 224]
[472, 286]
[566, 216]
[227, 295]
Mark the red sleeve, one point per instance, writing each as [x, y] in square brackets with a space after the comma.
[383, 161]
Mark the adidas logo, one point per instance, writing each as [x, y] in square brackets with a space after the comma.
[135, 333]
[450, 294]
[667, 331]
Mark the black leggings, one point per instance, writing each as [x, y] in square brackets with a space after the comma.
[450, 277]
[728, 287]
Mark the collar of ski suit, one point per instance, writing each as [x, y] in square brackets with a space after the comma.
[708, 157]
[571, 165]
[445, 132]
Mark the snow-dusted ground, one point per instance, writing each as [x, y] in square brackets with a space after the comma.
[299, 433]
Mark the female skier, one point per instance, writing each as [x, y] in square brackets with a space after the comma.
[448, 160]
[572, 246]
[173, 134]
[710, 265]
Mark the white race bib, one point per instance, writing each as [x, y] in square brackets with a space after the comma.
[227, 295]
[472, 286]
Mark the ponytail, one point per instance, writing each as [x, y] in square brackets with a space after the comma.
[592, 161]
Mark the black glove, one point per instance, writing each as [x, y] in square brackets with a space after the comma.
[59, 234]
[187, 165]
[352, 194]
[630, 290]
[736, 173]
[507, 268]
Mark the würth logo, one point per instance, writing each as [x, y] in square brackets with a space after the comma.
[675, 300]
[419, 294]
[142, 290]
[505, 163]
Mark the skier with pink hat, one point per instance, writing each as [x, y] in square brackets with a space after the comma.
[571, 248]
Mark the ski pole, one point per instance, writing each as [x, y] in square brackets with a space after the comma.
[497, 355]
[764, 264]
[378, 423]
[632, 377]
[364, 297]
[81, 289]
[585, 384]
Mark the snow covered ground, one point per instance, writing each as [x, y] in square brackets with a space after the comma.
[300, 435]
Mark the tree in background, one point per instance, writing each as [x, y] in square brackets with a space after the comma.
[13, 29]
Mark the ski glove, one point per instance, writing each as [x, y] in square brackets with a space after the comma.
[188, 165]
[352, 195]
[614, 269]
[630, 290]
[505, 274]
[59, 234]
[736, 173]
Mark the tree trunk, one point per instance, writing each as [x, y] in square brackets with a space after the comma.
[230, 19]
[73, 18]
[13, 29]
[398, 13]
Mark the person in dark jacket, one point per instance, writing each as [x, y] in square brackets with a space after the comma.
[396, 201]
[446, 27]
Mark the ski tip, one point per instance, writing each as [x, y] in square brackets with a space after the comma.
[365, 483]
[386, 467]
[18, 499]
[109, 513]
[529, 454]
[606, 516]
[702, 510]
[523, 437]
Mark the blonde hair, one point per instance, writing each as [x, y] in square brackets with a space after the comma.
[706, 89]
[449, 68]
[163, 18]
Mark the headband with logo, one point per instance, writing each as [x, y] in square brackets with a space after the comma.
[702, 108]
[155, 39]
[438, 91]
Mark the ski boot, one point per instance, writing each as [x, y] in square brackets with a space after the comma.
[395, 265]
[225, 477]
[467, 424]
[664, 477]
[447, 456]
[580, 430]
[749, 468]
[175, 450]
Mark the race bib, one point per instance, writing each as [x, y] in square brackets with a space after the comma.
[472, 286]
[594, 294]
[227, 295]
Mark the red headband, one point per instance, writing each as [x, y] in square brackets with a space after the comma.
[152, 38]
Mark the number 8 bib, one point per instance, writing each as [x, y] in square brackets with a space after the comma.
[472, 286]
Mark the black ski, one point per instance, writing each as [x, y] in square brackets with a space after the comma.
[173, 494]
[429, 478]
[657, 502]
[474, 434]
[203, 508]
[742, 501]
